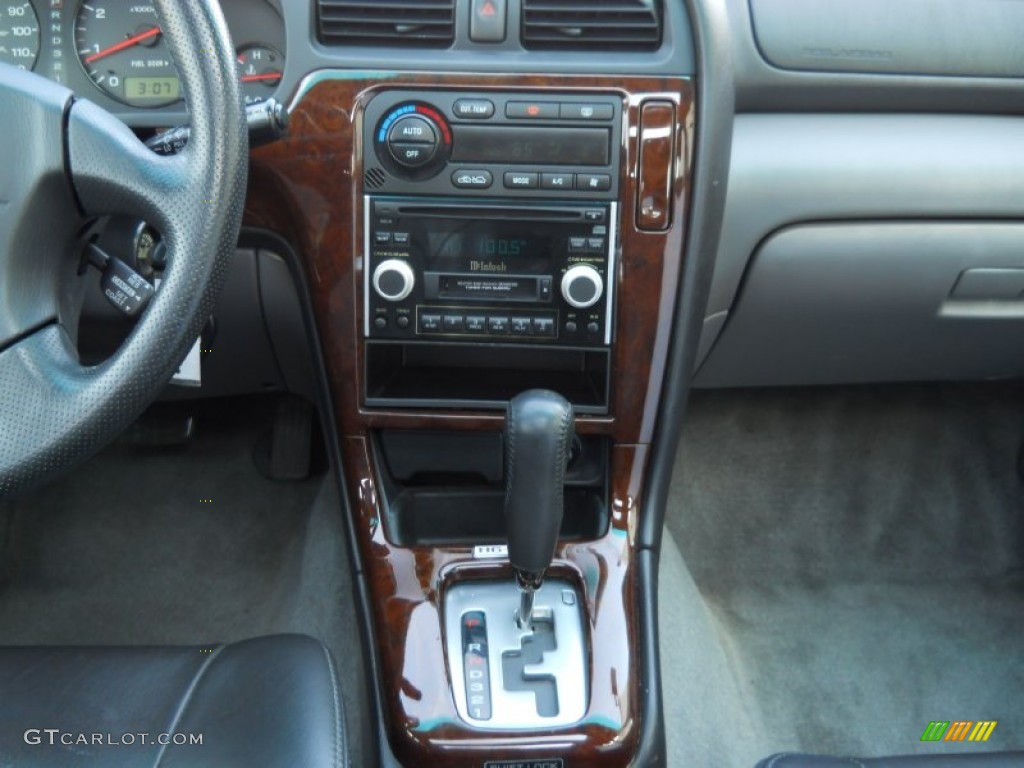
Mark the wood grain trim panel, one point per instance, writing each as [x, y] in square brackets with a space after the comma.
[406, 587]
[308, 188]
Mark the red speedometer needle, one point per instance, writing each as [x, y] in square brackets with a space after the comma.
[263, 76]
[128, 43]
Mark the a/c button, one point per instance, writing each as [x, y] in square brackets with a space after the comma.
[472, 179]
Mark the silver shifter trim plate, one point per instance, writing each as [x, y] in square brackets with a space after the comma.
[567, 663]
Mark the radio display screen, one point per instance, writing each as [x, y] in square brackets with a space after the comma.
[535, 146]
[490, 247]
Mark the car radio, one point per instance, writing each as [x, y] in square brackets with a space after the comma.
[494, 271]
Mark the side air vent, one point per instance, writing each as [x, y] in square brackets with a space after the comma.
[597, 25]
[397, 23]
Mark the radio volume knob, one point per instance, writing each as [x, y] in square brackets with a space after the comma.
[393, 279]
[582, 286]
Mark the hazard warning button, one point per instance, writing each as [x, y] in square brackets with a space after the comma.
[487, 21]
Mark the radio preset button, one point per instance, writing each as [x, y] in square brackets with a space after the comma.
[577, 245]
[472, 179]
[476, 323]
[430, 323]
[497, 324]
[522, 326]
[532, 110]
[586, 111]
[593, 182]
[393, 279]
[582, 286]
[412, 155]
[473, 109]
[543, 326]
[520, 180]
[453, 323]
[556, 180]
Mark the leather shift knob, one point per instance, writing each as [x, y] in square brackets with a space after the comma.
[538, 439]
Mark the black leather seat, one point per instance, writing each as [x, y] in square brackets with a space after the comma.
[983, 760]
[270, 701]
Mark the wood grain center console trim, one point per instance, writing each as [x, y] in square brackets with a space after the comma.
[308, 188]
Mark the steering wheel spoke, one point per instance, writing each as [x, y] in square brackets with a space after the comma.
[113, 172]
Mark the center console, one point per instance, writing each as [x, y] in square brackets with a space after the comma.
[489, 235]
[479, 249]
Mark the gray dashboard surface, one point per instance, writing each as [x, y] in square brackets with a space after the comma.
[788, 169]
[916, 37]
[877, 301]
[764, 87]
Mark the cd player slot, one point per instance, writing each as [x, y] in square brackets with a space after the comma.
[509, 212]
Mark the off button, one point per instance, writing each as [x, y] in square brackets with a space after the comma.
[412, 155]
[472, 179]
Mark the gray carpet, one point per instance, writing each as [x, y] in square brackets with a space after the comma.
[852, 567]
[126, 550]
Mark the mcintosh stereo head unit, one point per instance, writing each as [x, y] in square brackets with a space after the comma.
[493, 272]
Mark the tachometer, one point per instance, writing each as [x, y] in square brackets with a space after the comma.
[19, 34]
[122, 49]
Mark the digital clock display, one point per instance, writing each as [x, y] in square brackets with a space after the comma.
[156, 88]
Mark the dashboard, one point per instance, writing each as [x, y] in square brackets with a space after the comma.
[112, 52]
[474, 219]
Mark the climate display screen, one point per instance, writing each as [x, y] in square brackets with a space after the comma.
[531, 146]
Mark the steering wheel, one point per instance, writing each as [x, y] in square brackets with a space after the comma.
[64, 162]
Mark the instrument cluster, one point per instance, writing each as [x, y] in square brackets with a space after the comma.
[112, 51]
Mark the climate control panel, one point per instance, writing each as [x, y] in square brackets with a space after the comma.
[516, 144]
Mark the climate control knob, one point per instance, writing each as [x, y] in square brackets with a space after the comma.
[582, 286]
[393, 279]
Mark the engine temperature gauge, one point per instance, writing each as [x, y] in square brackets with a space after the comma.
[259, 70]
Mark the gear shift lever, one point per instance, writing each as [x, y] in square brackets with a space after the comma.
[538, 438]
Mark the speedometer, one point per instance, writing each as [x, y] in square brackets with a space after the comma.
[122, 50]
[19, 34]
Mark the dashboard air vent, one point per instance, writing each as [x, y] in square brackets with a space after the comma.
[398, 23]
[597, 25]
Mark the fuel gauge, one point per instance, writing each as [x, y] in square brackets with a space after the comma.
[259, 71]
